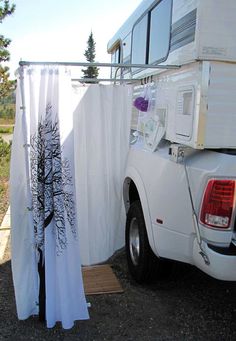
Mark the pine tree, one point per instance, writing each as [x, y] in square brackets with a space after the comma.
[6, 86]
[91, 71]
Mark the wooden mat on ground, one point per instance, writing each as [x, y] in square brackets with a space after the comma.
[100, 279]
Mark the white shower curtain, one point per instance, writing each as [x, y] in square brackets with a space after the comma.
[69, 154]
[44, 220]
[101, 131]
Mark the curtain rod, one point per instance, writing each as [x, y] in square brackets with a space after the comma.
[94, 80]
[118, 65]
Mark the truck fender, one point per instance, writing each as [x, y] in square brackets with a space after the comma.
[133, 177]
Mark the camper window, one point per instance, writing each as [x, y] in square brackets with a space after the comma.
[160, 26]
[139, 41]
[115, 58]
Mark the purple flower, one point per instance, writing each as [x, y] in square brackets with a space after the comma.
[141, 103]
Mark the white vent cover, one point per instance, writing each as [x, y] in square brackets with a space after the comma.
[184, 113]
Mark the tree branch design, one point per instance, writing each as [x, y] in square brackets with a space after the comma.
[52, 184]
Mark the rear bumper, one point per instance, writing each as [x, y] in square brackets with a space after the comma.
[221, 266]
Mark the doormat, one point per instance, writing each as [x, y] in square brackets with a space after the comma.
[100, 279]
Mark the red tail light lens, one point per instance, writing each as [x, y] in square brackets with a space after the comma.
[217, 204]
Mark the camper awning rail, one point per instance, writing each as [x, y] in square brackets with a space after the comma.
[115, 65]
[94, 80]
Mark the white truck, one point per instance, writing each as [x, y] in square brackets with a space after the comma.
[179, 188]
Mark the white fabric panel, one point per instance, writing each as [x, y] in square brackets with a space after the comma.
[23, 257]
[52, 226]
[101, 132]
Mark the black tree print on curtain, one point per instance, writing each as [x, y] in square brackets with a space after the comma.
[52, 194]
[52, 186]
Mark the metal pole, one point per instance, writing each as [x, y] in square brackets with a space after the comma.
[121, 65]
[96, 80]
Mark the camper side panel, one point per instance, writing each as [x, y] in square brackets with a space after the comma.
[216, 30]
[176, 97]
[221, 102]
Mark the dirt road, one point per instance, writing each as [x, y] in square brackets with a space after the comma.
[189, 306]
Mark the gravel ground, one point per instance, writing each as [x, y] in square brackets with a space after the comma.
[187, 306]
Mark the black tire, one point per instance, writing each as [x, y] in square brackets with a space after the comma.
[143, 264]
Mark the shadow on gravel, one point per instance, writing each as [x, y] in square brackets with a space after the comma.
[31, 329]
[187, 306]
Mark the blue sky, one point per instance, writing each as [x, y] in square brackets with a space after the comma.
[57, 30]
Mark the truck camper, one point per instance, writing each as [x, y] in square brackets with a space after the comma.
[179, 188]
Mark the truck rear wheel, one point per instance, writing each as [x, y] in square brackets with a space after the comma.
[143, 265]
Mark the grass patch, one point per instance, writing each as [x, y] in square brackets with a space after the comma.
[5, 151]
[6, 130]
[7, 111]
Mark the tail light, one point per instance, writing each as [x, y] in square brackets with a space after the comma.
[217, 204]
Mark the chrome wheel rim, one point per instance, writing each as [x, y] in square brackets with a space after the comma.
[134, 241]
